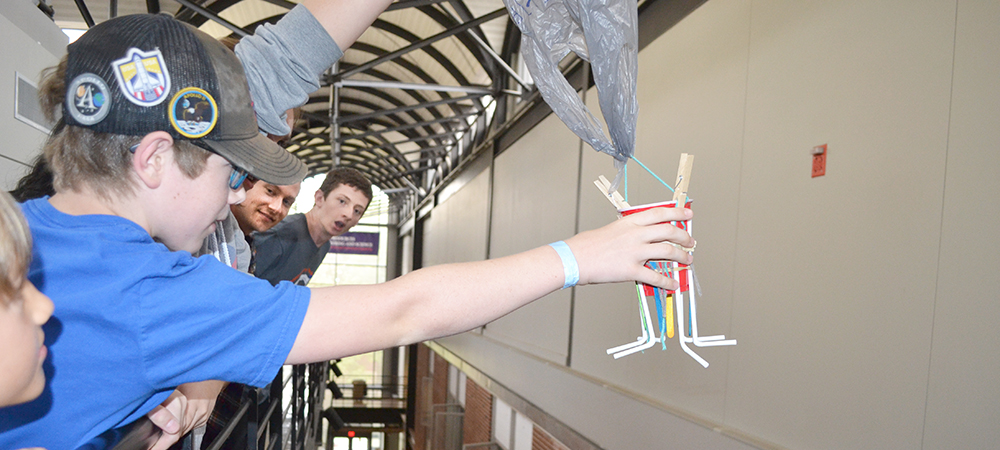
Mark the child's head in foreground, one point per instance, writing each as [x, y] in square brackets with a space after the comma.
[138, 91]
[23, 310]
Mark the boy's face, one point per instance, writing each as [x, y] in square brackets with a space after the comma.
[21, 321]
[194, 205]
[341, 209]
[266, 205]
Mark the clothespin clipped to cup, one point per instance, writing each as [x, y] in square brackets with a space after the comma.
[613, 196]
[681, 186]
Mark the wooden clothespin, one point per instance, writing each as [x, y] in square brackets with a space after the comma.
[683, 179]
[681, 186]
[614, 197]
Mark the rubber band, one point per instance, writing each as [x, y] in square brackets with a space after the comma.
[571, 270]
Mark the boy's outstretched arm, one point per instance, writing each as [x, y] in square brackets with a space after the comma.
[448, 299]
[346, 20]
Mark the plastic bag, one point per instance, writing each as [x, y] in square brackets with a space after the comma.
[604, 32]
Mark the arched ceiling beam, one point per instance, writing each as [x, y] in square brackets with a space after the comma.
[384, 76]
[85, 12]
[215, 17]
[422, 44]
[402, 4]
[448, 21]
[470, 89]
[188, 15]
[403, 63]
[389, 114]
[409, 126]
[354, 117]
[396, 102]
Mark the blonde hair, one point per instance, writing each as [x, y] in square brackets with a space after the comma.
[79, 156]
[15, 248]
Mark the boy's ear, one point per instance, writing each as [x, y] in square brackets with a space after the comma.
[151, 158]
[319, 196]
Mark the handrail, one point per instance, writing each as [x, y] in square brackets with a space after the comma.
[224, 434]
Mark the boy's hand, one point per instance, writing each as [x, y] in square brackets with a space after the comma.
[618, 251]
[187, 408]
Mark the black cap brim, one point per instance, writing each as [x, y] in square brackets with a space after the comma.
[261, 158]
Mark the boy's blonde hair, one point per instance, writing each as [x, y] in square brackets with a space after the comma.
[15, 248]
[81, 157]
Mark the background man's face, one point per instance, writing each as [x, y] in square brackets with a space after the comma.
[341, 209]
[266, 205]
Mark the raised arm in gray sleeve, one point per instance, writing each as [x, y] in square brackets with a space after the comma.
[283, 63]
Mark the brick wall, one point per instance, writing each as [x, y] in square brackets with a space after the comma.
[423, 370]
[478, 414]
[440, 380]
[540, 440]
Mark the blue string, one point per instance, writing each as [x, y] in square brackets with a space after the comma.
[651, 173]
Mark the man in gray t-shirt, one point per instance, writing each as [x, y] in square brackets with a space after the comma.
[293, 249]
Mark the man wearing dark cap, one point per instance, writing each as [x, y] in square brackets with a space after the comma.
[158, 118]
[158, 136]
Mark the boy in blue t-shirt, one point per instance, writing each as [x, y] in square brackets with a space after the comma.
[158, 134]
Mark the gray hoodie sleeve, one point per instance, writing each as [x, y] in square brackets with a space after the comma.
[283, 63]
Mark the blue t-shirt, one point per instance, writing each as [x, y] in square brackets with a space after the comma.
[133, 320]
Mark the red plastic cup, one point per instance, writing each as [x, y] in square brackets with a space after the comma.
[685, 285]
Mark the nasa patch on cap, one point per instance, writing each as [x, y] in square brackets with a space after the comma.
[88, 99]
[193, 112]
[142, 76]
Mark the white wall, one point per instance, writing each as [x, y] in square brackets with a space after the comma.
[534, 203]
[864, 301]
[963, 394]
[31, 42]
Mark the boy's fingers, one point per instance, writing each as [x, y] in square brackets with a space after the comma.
[670, 252]
[666, 233]
[658, 227]
[660, 215]
[654, 278]
[164, 419]
[168, 422]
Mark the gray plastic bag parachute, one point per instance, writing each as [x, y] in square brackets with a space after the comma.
[604, 32]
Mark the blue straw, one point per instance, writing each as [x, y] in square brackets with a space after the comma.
[651, 173]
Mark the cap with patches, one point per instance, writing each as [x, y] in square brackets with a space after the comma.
[141, 73]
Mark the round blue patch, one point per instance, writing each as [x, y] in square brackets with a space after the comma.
[193, 112]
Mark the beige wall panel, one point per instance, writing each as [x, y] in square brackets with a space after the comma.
[835, 275]
[534, 203]
[963, 403]
[456, 230]
[11, 171]
[691, 99]
[29, 42]
[435, 236]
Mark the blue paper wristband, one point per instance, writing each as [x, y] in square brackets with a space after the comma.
[570, 269]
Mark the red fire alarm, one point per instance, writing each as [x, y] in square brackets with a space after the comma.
[819, 161]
